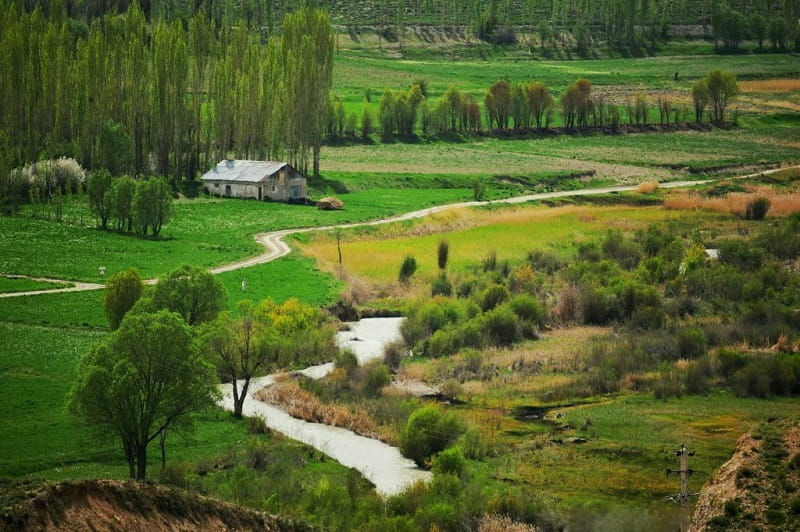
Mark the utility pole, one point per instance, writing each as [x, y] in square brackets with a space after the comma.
[684, 472]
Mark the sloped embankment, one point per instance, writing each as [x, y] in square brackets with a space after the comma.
[116, 505]
[758, 488]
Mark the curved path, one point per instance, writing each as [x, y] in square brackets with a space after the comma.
[275, 247]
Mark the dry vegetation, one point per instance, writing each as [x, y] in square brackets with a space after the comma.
[303, 405]
[770, 85]
[782, 203]
[648, 187]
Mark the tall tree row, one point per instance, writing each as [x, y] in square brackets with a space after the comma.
[165, 97]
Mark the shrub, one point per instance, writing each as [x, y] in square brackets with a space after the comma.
[598, 307]
[441, 516]
[692, 342]
[478, 190]
[528, 308]
[544, 262]
[393, 355]
[377, 376]
[258, 454]
[695, 378]
[174, 475]
[257, 425]
[757, 208]
[407, 269]
[441, 286]
[427, 432]
[346, 360]
[442, 254]
[490, 261]
[624, 252]
[450, 461]
[493, 296]
[513, 506]
[667, 384]
[501, 326]
[474, 446]
[727, 362]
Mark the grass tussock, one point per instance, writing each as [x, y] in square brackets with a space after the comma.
[781, 204]
[303, 405]
[770, 85]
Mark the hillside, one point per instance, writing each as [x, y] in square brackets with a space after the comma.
[115, 505]
[756, 488]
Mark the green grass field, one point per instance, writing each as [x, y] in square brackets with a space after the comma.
[203, 232]
[355, 71]
[512, 232]
[21, 284]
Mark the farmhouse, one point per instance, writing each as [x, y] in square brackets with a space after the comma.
[261, 180]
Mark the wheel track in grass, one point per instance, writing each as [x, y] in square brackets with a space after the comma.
[275, 246]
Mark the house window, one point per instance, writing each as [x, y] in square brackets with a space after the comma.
[216, 185]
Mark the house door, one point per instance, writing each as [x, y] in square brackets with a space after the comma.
[259, 193]
[227, 191]
[294, 191]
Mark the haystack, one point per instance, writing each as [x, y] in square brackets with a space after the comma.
[330, 204]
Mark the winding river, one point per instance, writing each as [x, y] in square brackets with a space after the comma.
[381, 464]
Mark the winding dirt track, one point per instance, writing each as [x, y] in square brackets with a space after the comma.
[275, 247]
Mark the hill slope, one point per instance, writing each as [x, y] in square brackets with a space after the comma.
[114, 505]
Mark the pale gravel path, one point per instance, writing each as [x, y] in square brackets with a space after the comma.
[276, 247]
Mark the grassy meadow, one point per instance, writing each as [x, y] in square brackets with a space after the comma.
[511, 232]
[615, 479]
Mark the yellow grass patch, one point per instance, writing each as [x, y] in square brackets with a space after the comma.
[781, 203]
[770, 85]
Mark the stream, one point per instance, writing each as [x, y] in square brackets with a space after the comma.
[380, 463]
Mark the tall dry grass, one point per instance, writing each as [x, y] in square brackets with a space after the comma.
[300, 404]
[502, 523]
[781, 203]
[770, 85]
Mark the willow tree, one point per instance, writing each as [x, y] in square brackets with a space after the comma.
[307, 45]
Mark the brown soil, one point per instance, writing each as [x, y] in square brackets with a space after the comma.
[115, 505]
[722, 486]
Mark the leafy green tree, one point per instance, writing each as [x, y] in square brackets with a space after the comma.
[121, 197]
[498, 104]
[539, 101]
[152, 205]
[731, 27]
[700, 98]
[115, 148]
[98, 186]
[758, 28]
[195, 294]
[144, 379]
[366, 123]
[239, 349]
[722, 88]
[778, 32]
[307, 45]
[123, 290]
[296, 334]
[386, 115]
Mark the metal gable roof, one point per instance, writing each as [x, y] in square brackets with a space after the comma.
[242, 171]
